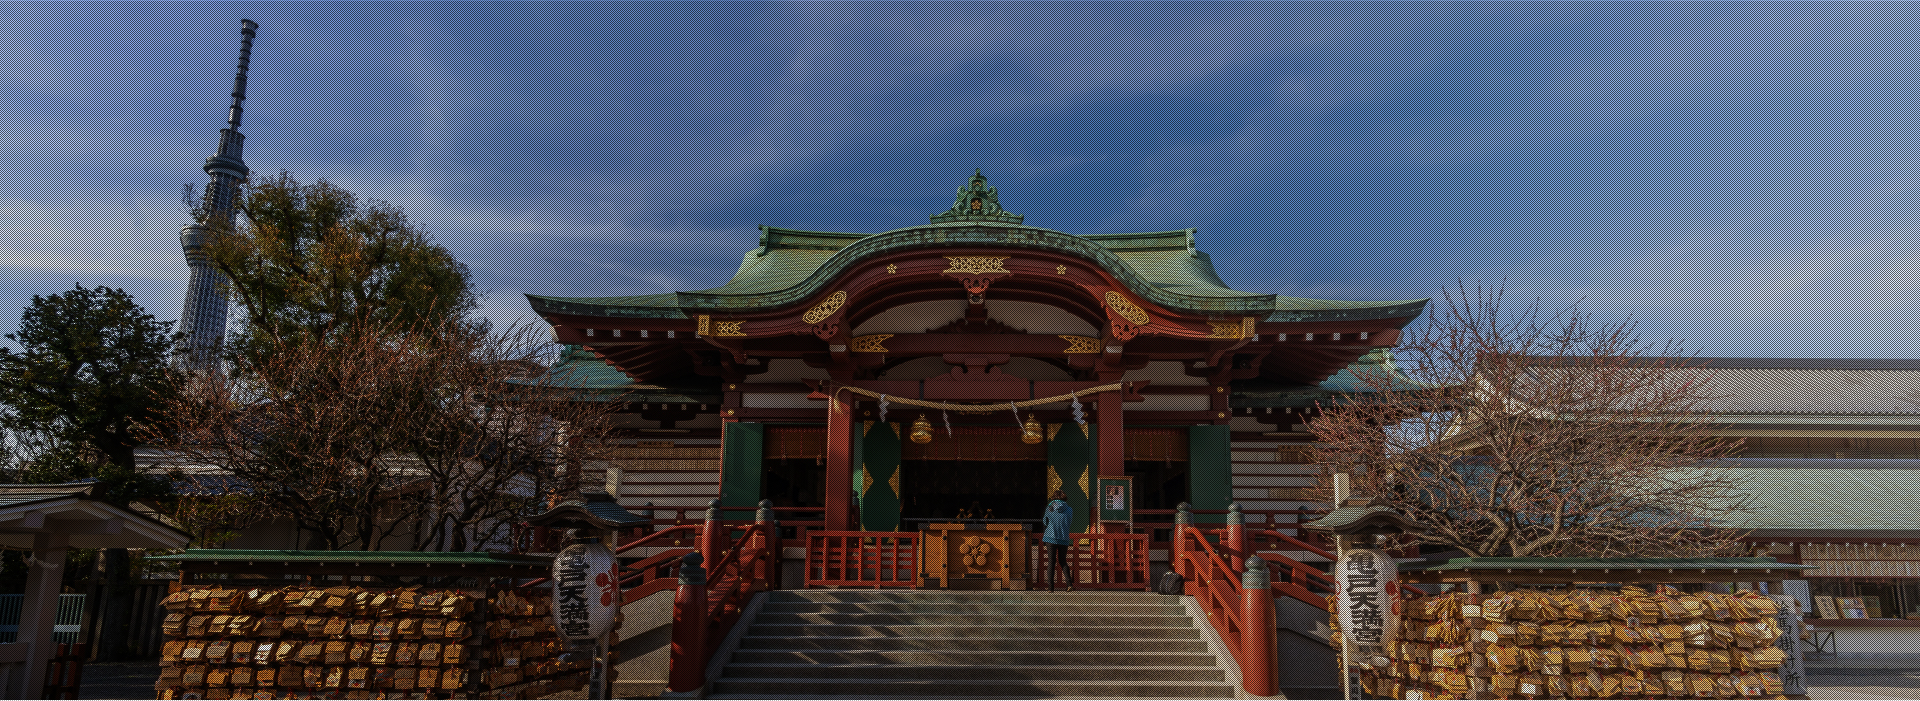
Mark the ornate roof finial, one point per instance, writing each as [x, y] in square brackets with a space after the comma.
[976, 201]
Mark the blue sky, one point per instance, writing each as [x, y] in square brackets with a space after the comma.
[1741, 176]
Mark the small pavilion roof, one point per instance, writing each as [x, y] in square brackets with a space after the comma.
[791, 265]
[593, 510]
[72, 509]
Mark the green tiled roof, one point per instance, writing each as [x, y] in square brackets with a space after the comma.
[380, 557]
[1831, 495]
[1354, 378]
[578, 368]
[791, 265]
[1606, 563]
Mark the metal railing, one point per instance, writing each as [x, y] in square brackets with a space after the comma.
[66, 618]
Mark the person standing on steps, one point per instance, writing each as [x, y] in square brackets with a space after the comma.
[1059, 524]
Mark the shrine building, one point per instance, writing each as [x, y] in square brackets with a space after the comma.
[876, 380]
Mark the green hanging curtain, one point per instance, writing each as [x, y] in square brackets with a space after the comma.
[1070, 468]
[1210, 471]
[879, 476]
[742, 445]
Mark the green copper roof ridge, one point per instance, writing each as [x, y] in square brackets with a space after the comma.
[989, 234]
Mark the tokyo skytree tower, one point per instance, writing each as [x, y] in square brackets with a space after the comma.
[204, 315]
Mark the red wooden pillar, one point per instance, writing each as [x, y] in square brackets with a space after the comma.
[1259, 658]
[687, 659]
[1113, 435]
[840, 433]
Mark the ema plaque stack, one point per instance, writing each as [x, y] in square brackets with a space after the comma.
[203, 317]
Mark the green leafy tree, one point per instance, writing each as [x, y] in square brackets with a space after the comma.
[91, 374]
[92, 369]
[310, 262]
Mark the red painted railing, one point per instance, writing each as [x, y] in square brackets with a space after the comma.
[1238, 611]
[706, 606]
[1095, 561]
[863, 559]
[1291, 577]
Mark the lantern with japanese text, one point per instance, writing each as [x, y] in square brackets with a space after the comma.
[586, 592]
[1368, 620]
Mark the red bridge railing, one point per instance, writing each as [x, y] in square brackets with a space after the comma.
[863, 559]
[1095, 561]
[714, 585]
[1227, 586]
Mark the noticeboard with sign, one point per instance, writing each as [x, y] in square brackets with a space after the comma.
[1115, 496]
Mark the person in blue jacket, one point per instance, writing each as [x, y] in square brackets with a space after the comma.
[1059, 525]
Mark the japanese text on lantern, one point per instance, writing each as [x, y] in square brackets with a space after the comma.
[571, 587]
[1365, 601]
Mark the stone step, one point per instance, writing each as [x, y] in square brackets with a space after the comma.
[773, 688]
[960, 619]
[854, 642]
[763, 629]
[961, 597]
[960, 671]
[1028, 658]
[977, 609]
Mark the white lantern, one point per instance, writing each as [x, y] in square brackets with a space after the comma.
[586, 591]
[1368, 622]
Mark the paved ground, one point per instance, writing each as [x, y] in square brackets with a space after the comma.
[1863, 683]
[118, 680]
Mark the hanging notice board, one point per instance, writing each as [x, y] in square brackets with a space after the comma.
[1115, 499]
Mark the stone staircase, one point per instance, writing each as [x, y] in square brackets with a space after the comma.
[943, 644]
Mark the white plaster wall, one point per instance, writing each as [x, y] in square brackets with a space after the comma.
[788, 370]
[1037, 318]
[1027, 316]
[1172, 402]
[914, 318]
[917, 369]
[780, 400]
[1878, 641]
[1165, 372]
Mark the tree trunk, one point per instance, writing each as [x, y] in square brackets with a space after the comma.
[116, 606]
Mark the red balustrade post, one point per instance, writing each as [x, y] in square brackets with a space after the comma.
[1182, 522]
[1259, 658]
[713, 534]
[768, 541]
[686, 663]
[1235, 542]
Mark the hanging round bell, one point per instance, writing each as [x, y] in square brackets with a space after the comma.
[1030, 431]
[922, 431]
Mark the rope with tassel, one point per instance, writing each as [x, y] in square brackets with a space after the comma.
[982, 408]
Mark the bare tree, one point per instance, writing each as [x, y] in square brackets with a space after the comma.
[1533, 434]
[446, 434]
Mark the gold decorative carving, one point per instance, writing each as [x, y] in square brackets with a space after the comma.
[1224, 329]
[871, 343]
[1052, 430]
[1082, 344]
[893, 481]
[891, 268]
[895, 425]
[1084, 433]
[866, 479]
[1053, 481]
[825, 308]
[1133, 314]
[1246, 326]
[1083, 481]
[1060, 270]
[866, 427]
[706, 323]
[974, 265]
[724, 329]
